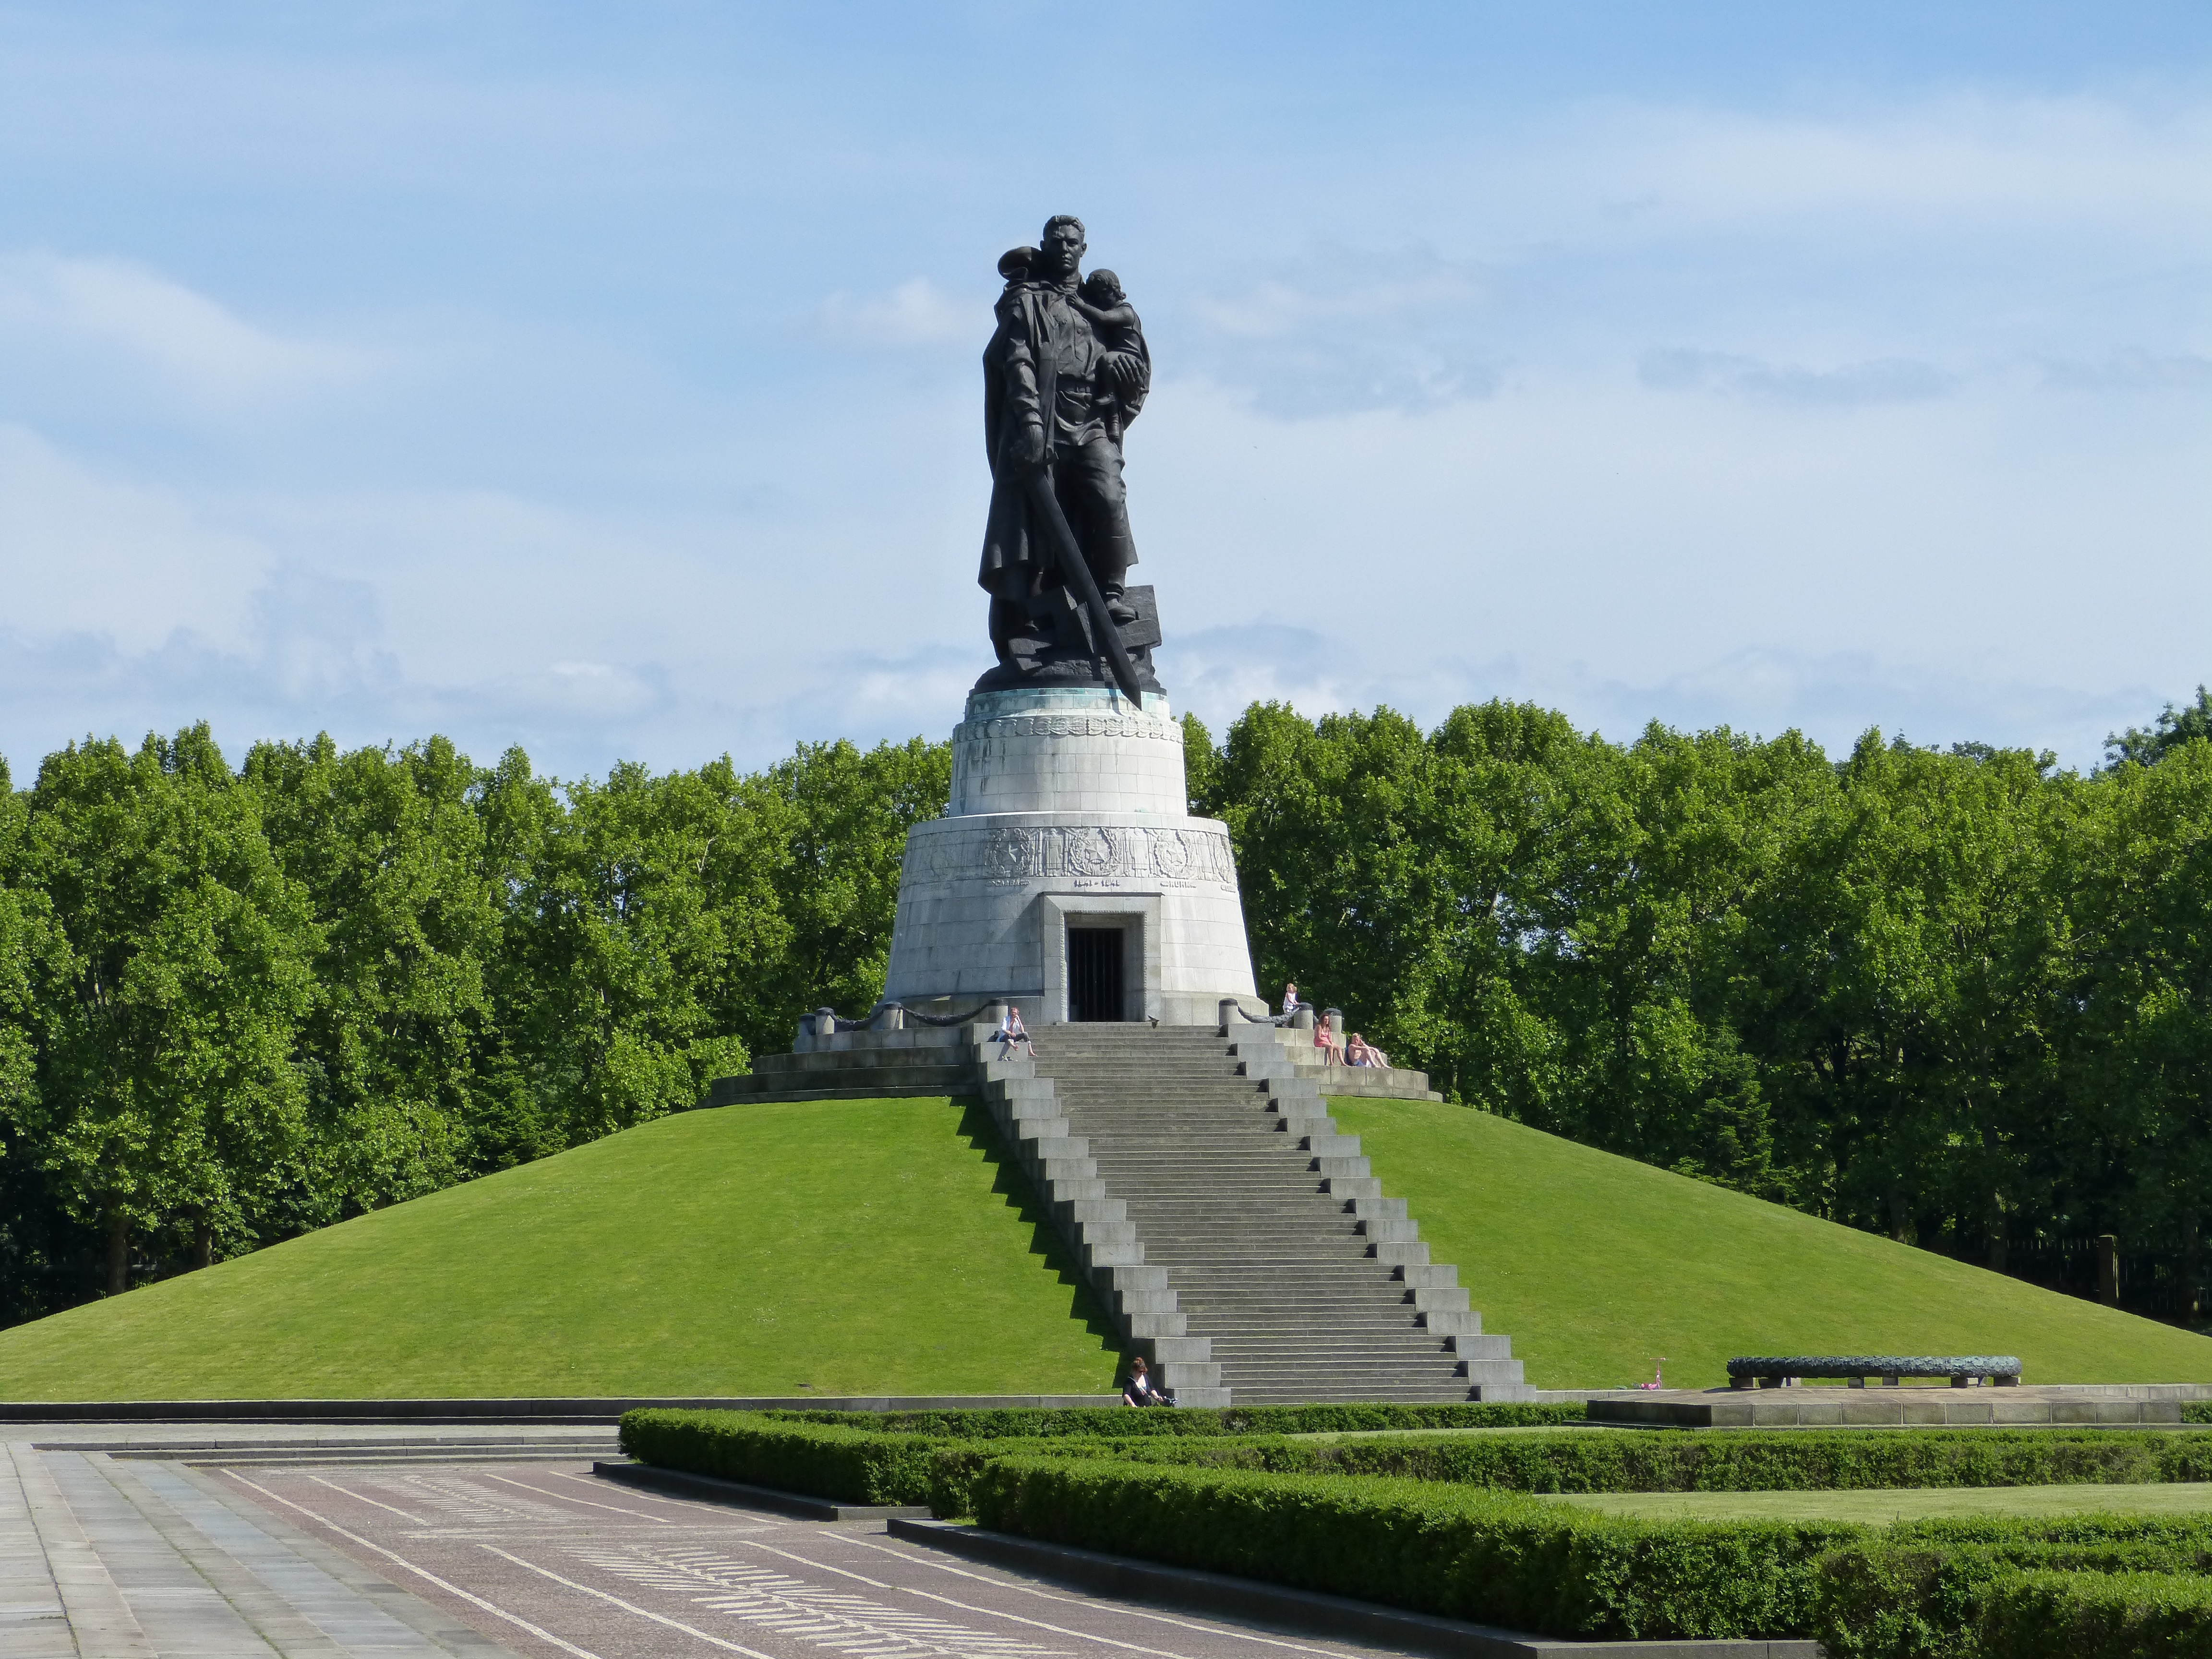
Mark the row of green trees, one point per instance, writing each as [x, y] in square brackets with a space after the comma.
[1963, 998]
[237, 1004]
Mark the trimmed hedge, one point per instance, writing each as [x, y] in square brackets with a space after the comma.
[1907, 1596]
[843, 1464]
[1465, 1553]
[828, 1460]
[2088, 1615]
[1345, 1517]
[1120, 1423]
[1785, 1460]
[841, 1460]
[2196, 1411]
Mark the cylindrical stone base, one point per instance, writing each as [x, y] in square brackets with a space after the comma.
[1099, 839]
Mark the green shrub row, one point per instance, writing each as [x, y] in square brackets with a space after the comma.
[843, 1460]
[832, 1461]
[1921, 1591]
[1120, 1423]
[2196, 1411]
[2084, 1615]
[1790, 1461]
[2079, 1587]
[1495, 1558]
[1787, 1461]
[839, 1464]
[1345, 1517]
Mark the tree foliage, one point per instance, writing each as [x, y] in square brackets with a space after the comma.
[2146, 745]
[236, 1006]
[1963, 997]
[1958, 996]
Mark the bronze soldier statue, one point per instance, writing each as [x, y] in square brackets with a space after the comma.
[1066, 372]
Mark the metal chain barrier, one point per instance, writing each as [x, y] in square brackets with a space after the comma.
[836, 1020]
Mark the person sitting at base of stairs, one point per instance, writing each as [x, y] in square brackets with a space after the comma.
[1139, 1391]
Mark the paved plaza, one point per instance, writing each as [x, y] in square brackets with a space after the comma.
[427, 1552]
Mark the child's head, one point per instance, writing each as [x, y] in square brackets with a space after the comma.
[1103, 288]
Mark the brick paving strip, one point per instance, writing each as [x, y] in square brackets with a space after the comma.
[617, 1573]
[137, 1557]
[102, 1558]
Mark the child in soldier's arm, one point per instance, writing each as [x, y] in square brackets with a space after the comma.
[1100, 300]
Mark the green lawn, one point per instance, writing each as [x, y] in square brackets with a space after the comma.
[854, 1246]
[865, 1246]
[1880, 1508]
[1596, 1265]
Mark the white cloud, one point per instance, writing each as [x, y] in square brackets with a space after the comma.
[1335, 284]
[914, 313]
[1954, 164]
[1341, 329]
[85, 549]
[2133, 369]
[1577, 533]
[137, 319]
[1886, 379]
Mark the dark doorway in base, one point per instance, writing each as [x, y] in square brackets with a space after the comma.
[1095, 974]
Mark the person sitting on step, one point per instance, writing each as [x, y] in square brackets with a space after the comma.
[1012, 1035]
[1290, 999]
[1140, 1389]
[1358, 1051]
[1325, 1040]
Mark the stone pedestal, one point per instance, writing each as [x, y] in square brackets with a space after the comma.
[1068, 813]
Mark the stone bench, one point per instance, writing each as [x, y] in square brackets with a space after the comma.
[1991, 1371]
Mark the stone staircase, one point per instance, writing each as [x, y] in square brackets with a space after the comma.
[1235, 1236]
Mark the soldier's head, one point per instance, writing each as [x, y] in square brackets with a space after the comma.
[1063, 244]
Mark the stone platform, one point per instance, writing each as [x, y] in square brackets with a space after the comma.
[890, 1058]
[1068, 813]
[1290, 1048]
[2145, 1405]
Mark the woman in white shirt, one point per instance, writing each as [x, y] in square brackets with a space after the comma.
[1012, 1035]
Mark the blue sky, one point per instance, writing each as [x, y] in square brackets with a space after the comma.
[604, 379]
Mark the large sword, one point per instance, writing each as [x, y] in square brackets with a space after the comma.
[1074, 572]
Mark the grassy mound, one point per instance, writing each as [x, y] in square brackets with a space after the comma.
[881, 1247]
[1596, 1265]
[857, 1247]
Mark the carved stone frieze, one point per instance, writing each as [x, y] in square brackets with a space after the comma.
[1069, 726]
[1081, 851]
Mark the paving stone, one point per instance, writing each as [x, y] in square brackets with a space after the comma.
[105, 1559]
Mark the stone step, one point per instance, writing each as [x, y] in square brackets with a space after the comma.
[1351, 1396]
[1271, 1333]
[1262, 1227]
[1238, 1352]
[1243, 1248]
[1324, 1372]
